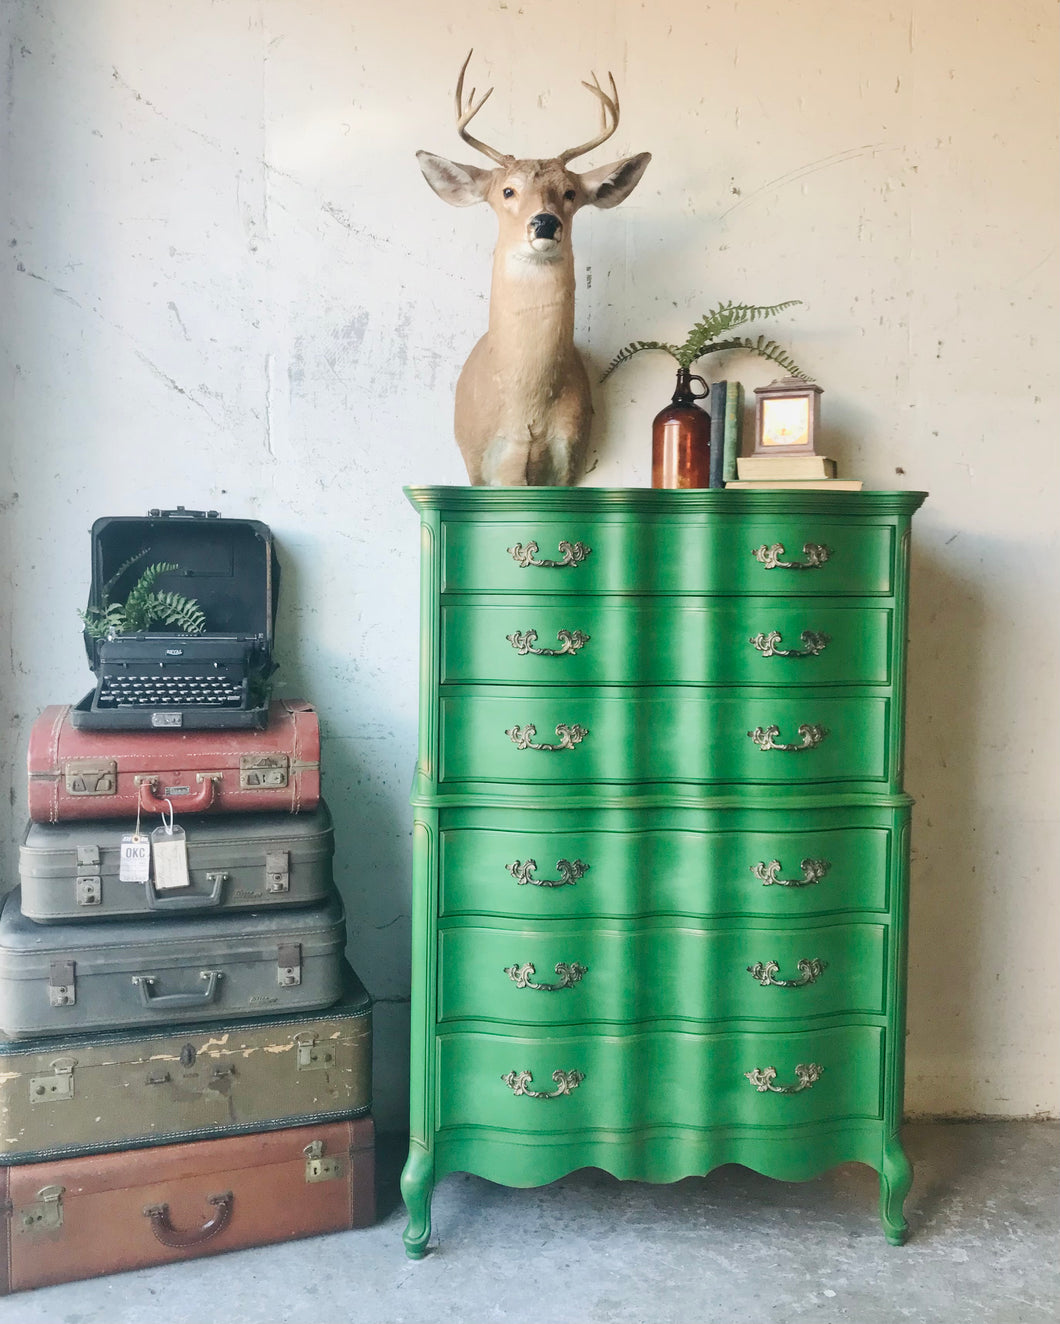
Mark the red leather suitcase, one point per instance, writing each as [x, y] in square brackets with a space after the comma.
[76, 773]
[76, 1218]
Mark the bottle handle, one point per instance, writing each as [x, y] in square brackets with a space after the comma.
[702, 394]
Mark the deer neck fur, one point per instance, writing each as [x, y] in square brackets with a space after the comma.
[531, 317]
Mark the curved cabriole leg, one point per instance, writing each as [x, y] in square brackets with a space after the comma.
[896, 1177]
[417, 1187]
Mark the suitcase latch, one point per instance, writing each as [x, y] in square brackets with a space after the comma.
[47, 1213]
[91, 776]
[277, 871]
[262, 771]
[62, 989]
[49, 1089]
[311, 1055]
[319, 1168]
[289, 964]
[88, 887]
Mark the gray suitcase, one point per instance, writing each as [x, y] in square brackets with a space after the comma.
[85, 1094]
[71, 978]
[69, 871]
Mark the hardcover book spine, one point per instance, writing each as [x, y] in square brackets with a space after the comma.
[733, 430]
[717, 432]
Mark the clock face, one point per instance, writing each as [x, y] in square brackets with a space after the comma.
[785, 422]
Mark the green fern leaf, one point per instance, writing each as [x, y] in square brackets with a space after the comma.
[635, 347]
[766, 349]
[729, 315]
[174, 609]
[138, 603]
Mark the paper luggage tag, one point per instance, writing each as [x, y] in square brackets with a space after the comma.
[134, 865]
[170, 850]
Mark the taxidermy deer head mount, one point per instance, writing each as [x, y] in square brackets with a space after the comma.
[522, 400]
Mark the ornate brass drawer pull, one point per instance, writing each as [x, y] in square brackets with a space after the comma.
[569, 975]
[764, 971]
[517, 1082]
[813, 642]
[762, 1079]
[570, 871]
[569, 736]
[812, 872]
[816, 554]
[523, 642]
[573, 554]
[765, 737]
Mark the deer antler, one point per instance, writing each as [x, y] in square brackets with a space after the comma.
[465, 114]
[609, 116]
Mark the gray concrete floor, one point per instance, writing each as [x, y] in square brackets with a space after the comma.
[731, 1248]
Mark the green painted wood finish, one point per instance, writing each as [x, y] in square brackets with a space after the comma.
[662, 969]
[663, 734]
[630, 865]
[663, 641]
[662, 556]
[664, 852]
[662, 1078]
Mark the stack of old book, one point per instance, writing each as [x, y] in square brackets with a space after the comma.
[185, 1054]
[791, 471]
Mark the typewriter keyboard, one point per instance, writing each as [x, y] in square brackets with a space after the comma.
[155, 691]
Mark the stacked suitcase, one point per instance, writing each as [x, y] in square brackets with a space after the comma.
[185, 1056]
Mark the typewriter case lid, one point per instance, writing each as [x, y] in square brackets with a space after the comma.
[228, 565]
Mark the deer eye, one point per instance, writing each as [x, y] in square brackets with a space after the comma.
[509, 193]
[570, 195]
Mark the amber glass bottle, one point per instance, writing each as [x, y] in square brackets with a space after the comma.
[680, 438]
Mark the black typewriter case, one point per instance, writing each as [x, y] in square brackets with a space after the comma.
[228, 565]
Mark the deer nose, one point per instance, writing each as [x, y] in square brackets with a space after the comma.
[543, 226]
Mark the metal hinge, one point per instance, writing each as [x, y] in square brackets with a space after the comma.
[88, 888]
[311, 1056]
[91, 776]
[49, 1089]
[319, 1168]
[62, 985]
[289, 964]
[47, 1213]
[263, 771]
[277, 871]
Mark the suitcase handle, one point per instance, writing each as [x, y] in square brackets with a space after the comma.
[165, 1001]
[168, 1235]
[151, 803]
[198, 901]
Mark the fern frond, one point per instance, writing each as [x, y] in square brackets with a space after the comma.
[728, 315]
[174, 609]
[138, 603]
[104, 595]
[635, 347]
[766, 349]
[100, 622]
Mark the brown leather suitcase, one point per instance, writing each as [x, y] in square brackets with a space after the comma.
[82, 1217]
[75, 773]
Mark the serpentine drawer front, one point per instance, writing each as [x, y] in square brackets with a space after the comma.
[661, 840]
[631, 1082]
[664, 641]
[785, 557]
[570, 974]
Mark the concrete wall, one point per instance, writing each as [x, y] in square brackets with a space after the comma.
[226, 285]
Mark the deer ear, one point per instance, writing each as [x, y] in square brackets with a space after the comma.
[609, 185]
[459, 185]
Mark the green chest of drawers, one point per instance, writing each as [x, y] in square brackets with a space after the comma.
[661, 839]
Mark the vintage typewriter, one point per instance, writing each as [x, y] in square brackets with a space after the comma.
[168, 678]
[166, 674]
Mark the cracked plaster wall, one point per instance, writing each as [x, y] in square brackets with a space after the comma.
[224, 284]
